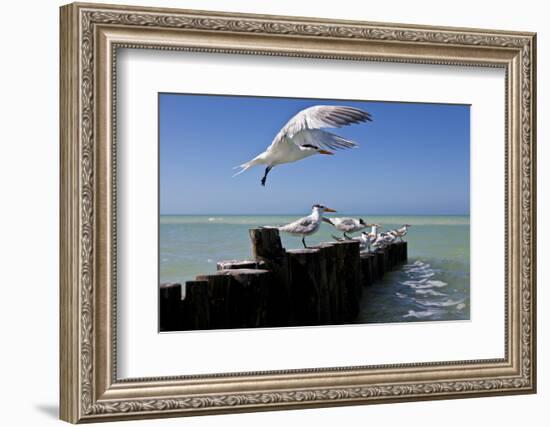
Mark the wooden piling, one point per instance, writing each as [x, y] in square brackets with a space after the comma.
[333, 268]
[352, 279]
[316, 286]
[235, 264]
[403, 251]
[339, 261]
[239, 298]
[368, 269]
[305, 293]
[218, 286]
[380, 261]
[170, 317]
[268, 251]
[266, 244]
[324, 291]
[196, 305]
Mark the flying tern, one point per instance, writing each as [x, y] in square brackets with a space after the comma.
[302, 136]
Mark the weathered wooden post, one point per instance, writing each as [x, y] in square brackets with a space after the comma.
[238, 297]
[352, 278]
[380, 261]
[305, 290]
[367, 269]
[404, 254]
[392, 252]
[196, 306]
[266, 244]
[170, 317]
[387, 261]
[330, 252]
[249, 297]
[268, 251]
[235, 264]
[339, 261]
[218, 286]
[324, 291]
[375, 267]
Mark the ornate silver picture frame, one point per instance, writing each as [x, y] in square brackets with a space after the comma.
[91, 36]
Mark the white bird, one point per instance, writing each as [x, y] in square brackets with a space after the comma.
[302, 136]
[346, 225]
[374, 232]
[383, 240]
[307, 225]
[365, 239]
[401, 232]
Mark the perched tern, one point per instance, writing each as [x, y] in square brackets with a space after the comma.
[365, 239]
[383, 240]
[347, 225]
[401, 232]
[307, 225]
[374, 231]
[302, 136]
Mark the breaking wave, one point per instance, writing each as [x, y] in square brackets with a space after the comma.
[424, 289]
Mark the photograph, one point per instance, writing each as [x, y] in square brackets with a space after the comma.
[277, 211]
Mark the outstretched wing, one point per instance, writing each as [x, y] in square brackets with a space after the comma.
[318, 117]
[324, 116]
[316, 138]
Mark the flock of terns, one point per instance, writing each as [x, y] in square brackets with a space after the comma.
[301, 137]
[368, 241]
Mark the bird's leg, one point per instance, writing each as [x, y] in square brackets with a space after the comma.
[267, 169]
[304, 242]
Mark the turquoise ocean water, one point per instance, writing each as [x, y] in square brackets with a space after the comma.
[433, 285]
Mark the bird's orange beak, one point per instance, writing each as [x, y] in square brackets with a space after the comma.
[329, 210]
[329, 153]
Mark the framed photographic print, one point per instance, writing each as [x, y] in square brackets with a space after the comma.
[266, 212]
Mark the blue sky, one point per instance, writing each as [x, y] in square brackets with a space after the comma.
[413, 159]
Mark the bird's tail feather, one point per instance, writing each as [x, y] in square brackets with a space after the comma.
[247, 165]
[327, 220]
[243, 167]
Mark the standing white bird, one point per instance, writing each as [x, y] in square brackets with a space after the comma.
[307, 225]
[369, 239]
[383, 240]
[374, 231]
[401, 232]
[302, 136]
[365, 240]
[346, 225]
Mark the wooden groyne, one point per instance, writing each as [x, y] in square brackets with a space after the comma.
[278, 287]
